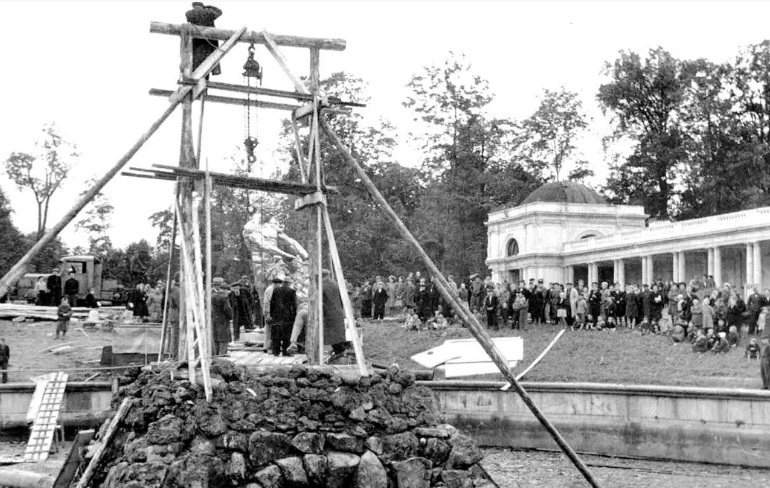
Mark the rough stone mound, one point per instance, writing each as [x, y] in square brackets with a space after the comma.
[298, 428]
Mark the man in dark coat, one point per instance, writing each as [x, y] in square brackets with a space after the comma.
[5, 357]
[379, 297]
[366, 300]
[54, 288]
[221, 314]
[756, 302]
[421, 301]
[203, 15]
[334, 315]
[283, 311]
[240, 300]
[71, 289]
[434, 296]
[595, 303]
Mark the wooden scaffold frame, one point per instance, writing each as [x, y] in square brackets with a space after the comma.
[193, 186]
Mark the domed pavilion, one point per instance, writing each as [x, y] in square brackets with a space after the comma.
[565, 232]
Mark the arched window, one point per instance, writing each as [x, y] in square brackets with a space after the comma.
[513, 248]
[587, 236]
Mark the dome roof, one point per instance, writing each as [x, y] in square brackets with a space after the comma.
[564, 192]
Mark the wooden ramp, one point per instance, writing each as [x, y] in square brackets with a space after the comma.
[47, 417]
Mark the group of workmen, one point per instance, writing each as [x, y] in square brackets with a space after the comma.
[48, 290]
[284, 315]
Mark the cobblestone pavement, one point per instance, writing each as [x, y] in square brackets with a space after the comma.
[519, 469]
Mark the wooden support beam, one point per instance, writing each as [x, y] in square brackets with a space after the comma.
[258, 90]
[172, 172]
[85, 479]
[474, 326]
[214, 34]
[272, 46]
[157, 92]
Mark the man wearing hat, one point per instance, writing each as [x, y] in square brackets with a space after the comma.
[277, 280]
[54, 288]
[334, 316]
[283, 311]
[221, 314]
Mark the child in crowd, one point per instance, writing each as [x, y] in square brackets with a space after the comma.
[721, 345]
[752, 349]
[697, 313]
[65, 313]
[562, 309]
[764, 317]
[357, 301]
[412, 321]
[677, 333]
[581, 309]
[712, 339]
[701, 342]
[610, 311]
[439, 321]
[721, 326]
[732, 336]
[707, 312]
[523, 311]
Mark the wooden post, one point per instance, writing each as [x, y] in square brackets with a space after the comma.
[207, 204]
[473, 325]
[316, 209]
[313, 341]
[163, 334]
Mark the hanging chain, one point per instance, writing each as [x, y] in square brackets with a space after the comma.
[251, 72]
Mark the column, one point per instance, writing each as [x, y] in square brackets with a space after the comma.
[710, 265]
[620, 273]
[682, 268]
[650, 269]
[750, 264]
[757, 264]
[675, 270]
[718, 266]
[644, 270]
[570, 275]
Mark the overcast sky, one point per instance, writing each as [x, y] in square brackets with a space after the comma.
[88, 66]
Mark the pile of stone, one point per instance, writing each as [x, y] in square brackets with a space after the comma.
[304, 427]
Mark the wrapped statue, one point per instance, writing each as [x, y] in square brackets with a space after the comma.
[273, 253]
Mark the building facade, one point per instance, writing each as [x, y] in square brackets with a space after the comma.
[564, 232]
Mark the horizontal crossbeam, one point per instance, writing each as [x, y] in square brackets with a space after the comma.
[171, 173]
[214, 34]
[232, 100]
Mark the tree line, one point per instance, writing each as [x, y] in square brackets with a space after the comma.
[696, 133]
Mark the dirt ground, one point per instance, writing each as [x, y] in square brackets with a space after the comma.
[520, 469]
[29, 342]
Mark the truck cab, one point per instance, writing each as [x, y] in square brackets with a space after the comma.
[88, 271]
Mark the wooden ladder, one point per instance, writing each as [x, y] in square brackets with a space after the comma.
[47, 418]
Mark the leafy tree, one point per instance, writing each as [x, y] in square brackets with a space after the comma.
[139, 263]
[367, 242]
[547, 137]
[13, 244]
[48, 257]
[163, 220]
[43, 172]
[97, 221]
[467, 166]
[645, 98]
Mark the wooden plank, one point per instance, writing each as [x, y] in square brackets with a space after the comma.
[241, 102]
[258, 90]
[214, 34]
[272, 46]
[105, 441]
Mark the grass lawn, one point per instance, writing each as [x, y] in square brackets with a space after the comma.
[582, 356]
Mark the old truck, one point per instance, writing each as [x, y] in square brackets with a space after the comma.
[87, 270]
